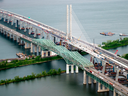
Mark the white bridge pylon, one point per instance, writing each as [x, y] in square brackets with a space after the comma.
[69, 20]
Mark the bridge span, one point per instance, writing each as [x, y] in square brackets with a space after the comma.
[48, 32]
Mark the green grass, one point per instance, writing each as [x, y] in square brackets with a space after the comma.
[115, 43]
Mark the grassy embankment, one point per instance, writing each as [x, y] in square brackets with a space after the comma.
[37, 60]
[18, 63]
[115, 43]
[32, 76]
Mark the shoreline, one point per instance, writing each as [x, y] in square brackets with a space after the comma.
[51, 72]
[37, 60]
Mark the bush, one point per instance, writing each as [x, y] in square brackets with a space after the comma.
[59, 71]
[44, 73]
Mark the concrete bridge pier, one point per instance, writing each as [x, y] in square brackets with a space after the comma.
[25, 26]
[12, 20]
[27, 45]
[35, 48]
[4, 18]
[104, 65]
[11, 36]
[114, 92]
[20, 41]
[42, 54]
[39, 50]
[35, 33]
[30, 30]
[20, 25]
[77, 69]
[47, 36]
[103, 88]
[94, 81]
[67, 68]
[46, 53]
[84, 77]
[31, 48]
[72, 68]
[15, 23]
[14, 38]
[117, 74]
[8, 19]
[8, 35]
[89, 80]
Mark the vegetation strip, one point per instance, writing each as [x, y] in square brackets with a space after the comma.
[115, 43]
[17, 63]
[33, 76]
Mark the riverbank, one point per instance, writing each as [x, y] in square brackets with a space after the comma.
[18, 63]
[37, 60]
[115, 43]
[32, 76]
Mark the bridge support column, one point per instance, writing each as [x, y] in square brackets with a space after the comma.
[20, 41]
[14, 38]
[20, 25]
[39, 49]
[103, 88]
[67, 68]
[12, 22]
[117, 74]
[31, 48]
[24, 28]
[94, 81]
[99, 87]
[30, 30]
[36, 31]
[15, 23]
[84, 77]
[8, 19]
[27, 45]
[46, 53]
[104, 65]
[35, 48]
[114, 92]
[77, 69]
[42, 54]
[89, 80]
[72, 68]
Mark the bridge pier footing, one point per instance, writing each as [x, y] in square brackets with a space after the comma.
[103, 88]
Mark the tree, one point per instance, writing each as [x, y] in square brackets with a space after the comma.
[59, 71]
[44, 73]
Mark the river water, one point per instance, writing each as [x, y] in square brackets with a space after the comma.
[92, 16]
